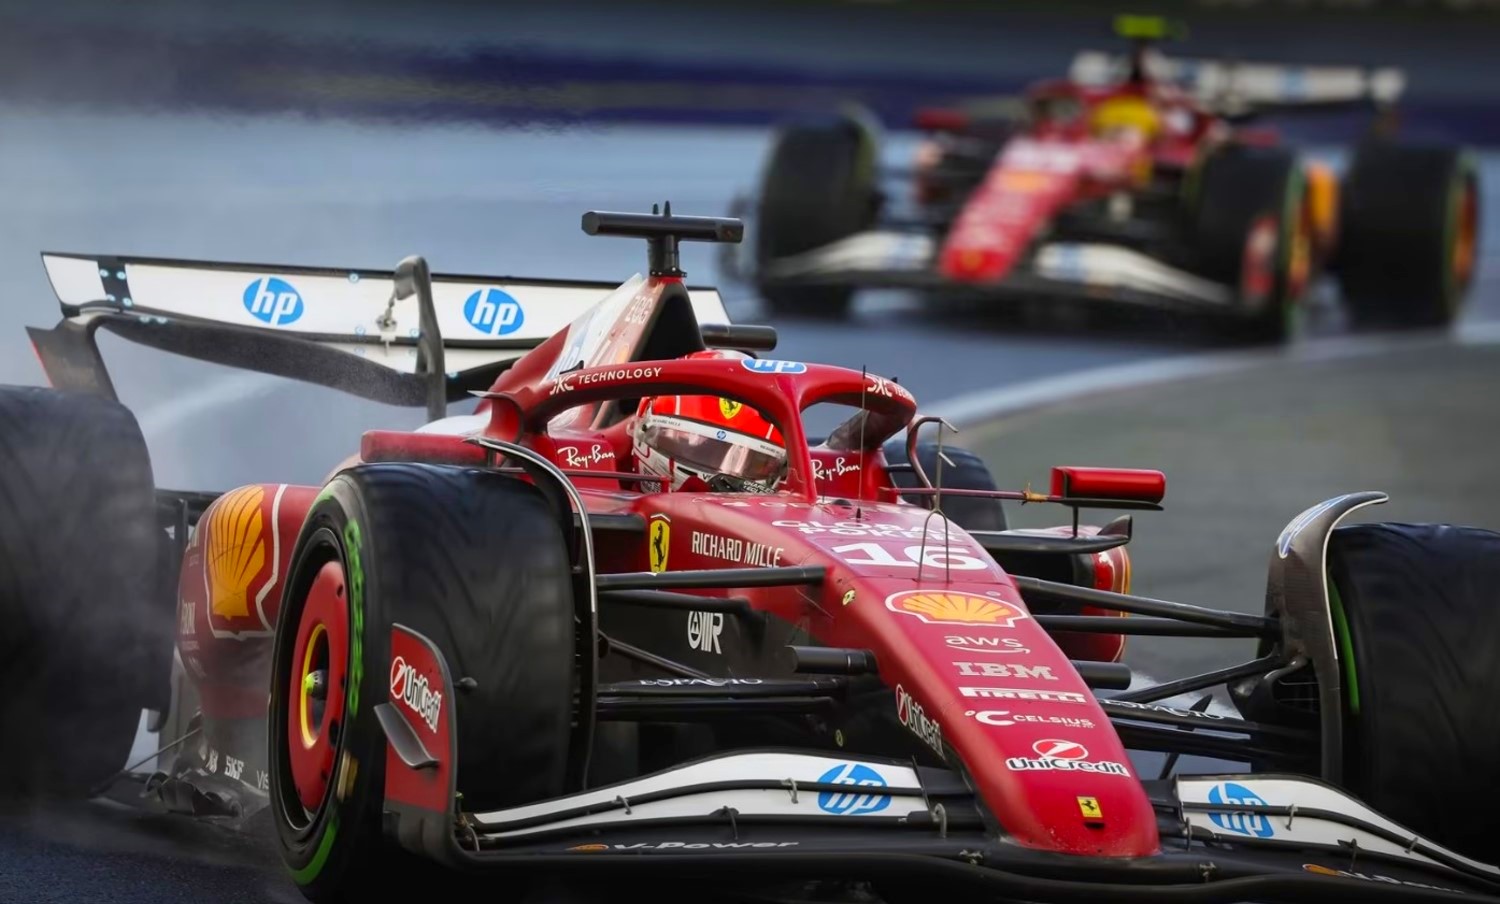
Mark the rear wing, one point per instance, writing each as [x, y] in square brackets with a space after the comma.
[402, 337]
[1231, 88]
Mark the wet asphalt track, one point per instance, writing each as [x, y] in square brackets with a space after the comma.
[280, 189]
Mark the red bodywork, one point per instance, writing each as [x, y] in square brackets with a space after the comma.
[975, 676]
[1059, 159]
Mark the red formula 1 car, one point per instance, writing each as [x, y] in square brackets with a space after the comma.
[1133, 182]
[812, 668]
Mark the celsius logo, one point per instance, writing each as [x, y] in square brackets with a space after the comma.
[494, 312]
[273, 300]
[411, 687]
[850, 803]
[1255, 824]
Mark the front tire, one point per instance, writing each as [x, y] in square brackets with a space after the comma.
[1417, 614]
[1409, 235]
[963, 471]
[818, 187]
[1253, 231]
[474, 561]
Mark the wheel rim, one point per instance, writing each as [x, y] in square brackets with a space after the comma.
[317, 686]
[1299, 256]
[1465, 236]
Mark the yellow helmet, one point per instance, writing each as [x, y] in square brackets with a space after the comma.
[1125, 114]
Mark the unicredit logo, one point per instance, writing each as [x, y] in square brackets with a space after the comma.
[412, 688]
[1055, 755]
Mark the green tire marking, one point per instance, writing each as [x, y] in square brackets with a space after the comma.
[320, 857]
[325, 493]
[1346, 646]
[356, 579]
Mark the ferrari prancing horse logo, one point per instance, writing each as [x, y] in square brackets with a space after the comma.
[660, 542]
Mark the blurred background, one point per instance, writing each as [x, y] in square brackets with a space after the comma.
[475, 133]
[348, 134]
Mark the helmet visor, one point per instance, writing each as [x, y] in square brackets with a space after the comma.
[714, 450]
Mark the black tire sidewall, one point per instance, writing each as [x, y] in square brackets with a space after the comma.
[1420, 605]
[818, 187]
[475, 562]
[1228, 192]
[1395, 257]
[968, 472]
[346, 831]
[88, 628]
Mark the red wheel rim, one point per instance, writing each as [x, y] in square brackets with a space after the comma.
[1299, 264]
[1465, 239]
[314, 720]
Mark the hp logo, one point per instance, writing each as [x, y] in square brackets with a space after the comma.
[852, 803]
[768, 366]
[1254, 824]
[274, 301]
[493, 312]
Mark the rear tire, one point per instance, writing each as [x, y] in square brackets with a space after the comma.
[1418, 615]
[818, 187]
[1409, 233]
[967, 472]
[81, 599]
[477, 563]
[1230, 195]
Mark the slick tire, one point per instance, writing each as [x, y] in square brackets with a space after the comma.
[79, 590]
[477, 563]
[1416, 609]
[818, 187]
[967, 472]
[1229, 195]
[1409, 235]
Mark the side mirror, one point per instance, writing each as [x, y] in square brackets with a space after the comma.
[1129, 484]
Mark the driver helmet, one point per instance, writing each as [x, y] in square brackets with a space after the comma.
[1126, 114]
[699, 442]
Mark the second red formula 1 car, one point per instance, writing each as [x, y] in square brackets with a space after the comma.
[626, 625]
[1135, 181]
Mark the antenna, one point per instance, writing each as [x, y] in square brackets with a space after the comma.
[864, 415]
[937, 509]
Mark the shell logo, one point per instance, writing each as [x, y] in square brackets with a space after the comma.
[236, 550]
[1025, 181]
[941, 608]
[589, 847]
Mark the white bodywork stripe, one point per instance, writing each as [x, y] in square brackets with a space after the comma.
[790, 768]
[1308, 829]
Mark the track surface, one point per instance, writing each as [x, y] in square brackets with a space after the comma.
[282, 189]
[1245, 453]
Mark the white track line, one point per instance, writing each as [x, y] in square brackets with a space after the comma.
[975, 408]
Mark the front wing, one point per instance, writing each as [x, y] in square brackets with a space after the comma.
[776, 815]
[1085, 271]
